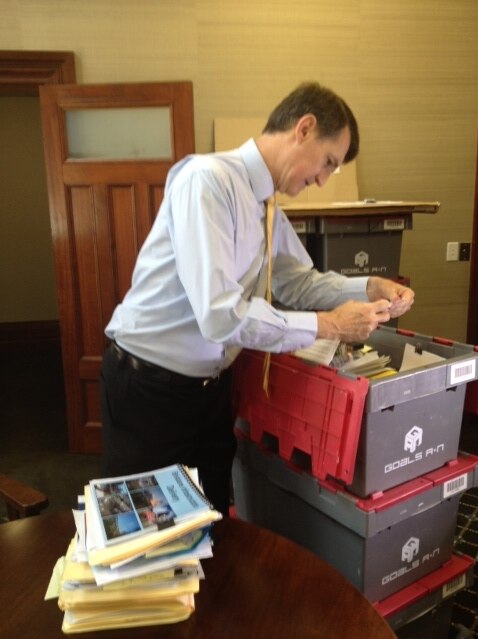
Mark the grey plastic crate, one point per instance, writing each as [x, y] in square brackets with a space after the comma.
[407, 424]
[380, 551]
[365, 516]
[358, 245]
[411, 422]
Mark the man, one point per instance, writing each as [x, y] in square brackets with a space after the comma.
[197, 294]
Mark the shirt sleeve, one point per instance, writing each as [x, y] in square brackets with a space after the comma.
[297, 284]
[203, 232]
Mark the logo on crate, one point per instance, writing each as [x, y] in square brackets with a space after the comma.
[410, 549]
[413, 439]
[361, 266]
[361, 259]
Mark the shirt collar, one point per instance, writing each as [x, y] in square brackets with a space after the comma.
[259, 175]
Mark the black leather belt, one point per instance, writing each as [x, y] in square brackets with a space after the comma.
[164, 374]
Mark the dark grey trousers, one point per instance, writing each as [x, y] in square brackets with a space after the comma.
[151, 419]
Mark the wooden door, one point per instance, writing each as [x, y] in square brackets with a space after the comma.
[101, 209]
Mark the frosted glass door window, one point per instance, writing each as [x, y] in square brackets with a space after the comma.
[119, 134]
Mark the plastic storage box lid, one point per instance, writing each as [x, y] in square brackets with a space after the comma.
[314, 409]
[455, 574]
[452, 478]
[366, 517]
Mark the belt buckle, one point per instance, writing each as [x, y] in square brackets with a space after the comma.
[208, 380]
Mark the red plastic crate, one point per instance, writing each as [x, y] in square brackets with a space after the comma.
[312, 409]
[471, 397]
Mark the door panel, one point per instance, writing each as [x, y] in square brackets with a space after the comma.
[101, 212]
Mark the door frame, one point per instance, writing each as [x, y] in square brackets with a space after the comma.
[22, 72]
[101, 211]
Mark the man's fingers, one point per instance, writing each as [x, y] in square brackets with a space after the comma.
[381, 306]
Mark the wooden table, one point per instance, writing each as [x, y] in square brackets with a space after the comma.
[258, 586]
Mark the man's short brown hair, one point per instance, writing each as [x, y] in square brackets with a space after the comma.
[331, 112]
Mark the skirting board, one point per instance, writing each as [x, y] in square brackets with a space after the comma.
[15, 334]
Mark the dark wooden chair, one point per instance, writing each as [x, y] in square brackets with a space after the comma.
[20, 499]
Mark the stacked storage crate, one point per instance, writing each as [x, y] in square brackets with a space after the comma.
[365, 473]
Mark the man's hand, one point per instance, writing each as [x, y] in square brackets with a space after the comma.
[401, 297]
[352, 321]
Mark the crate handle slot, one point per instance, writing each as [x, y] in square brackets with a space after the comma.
[301, 460]
[270, 443]
[388, 408]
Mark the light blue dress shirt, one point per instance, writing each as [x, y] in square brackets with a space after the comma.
[197, 294]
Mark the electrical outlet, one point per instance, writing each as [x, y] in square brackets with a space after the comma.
[452, 251]
[464, 252]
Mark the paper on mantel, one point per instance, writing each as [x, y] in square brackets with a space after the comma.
[368, 201]
[322, 351]
[415, 358]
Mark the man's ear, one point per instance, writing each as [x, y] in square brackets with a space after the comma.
[305, 127]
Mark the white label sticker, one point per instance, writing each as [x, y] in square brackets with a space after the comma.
[456, 485]
[454, 585]
[300, 226]
[462, 371]
[394, 225]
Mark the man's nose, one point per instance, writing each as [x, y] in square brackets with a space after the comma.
[322, 178]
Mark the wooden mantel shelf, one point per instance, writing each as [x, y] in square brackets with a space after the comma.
[361, 207]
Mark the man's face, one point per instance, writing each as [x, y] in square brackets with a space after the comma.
[312, 160]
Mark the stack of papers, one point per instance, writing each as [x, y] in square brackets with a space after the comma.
[321, 351]
[362, 361]
[365, 361]
[135, 557]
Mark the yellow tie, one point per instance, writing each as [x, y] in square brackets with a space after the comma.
[269, 217]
